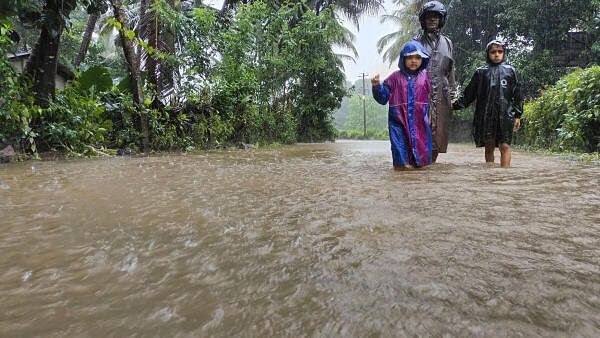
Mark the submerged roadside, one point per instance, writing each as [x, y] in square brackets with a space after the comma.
[9, 154]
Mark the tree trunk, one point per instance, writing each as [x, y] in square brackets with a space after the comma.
[87, 37]
[133, 66]
[141, 29]
[152, 63]
[160, 74]
[42, 63]
[41, 67]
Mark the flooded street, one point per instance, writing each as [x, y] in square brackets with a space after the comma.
[320, 240]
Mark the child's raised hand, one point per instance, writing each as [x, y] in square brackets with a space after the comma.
[375, 80]
[517, 124]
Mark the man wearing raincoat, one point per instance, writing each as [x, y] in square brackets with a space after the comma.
[499, 107]
[432, 17]
[407, 91]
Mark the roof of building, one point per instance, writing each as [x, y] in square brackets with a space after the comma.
[61, 69]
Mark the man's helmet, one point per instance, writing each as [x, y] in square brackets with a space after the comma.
[433, 7]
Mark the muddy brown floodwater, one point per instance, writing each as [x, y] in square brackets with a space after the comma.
[320, 240]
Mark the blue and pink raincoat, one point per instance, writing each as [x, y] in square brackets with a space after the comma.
[408, 118]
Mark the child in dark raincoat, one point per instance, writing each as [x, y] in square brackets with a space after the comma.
[499, 104]
[407, 90]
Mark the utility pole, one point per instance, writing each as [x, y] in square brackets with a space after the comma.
[364, 99]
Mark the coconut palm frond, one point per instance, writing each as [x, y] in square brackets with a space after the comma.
[346, 41]
[392, 53]
[353, 9]
[340, 58]
[345, 57]
[388, 39]
[159, 28]
[406, 18]
[387, 18]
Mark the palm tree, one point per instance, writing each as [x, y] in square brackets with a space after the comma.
[159, 26]
[95, 9]
[407, 21]
[87, 38]
[133, 66]
[346, 42]
[351, 9]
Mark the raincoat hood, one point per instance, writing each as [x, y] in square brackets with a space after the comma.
[489, 46]
[413, 48]
[433, 7]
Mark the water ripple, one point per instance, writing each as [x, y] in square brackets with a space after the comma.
[305, 240]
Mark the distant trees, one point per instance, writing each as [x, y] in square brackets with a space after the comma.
[531, 28]
[353, 116]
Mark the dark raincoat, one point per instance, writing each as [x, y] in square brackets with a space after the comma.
[443, 85]
[497, 90]
[408, 118]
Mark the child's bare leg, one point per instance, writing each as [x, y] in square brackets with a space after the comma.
[489, 153]
[505, 155]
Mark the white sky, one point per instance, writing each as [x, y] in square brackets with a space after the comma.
[368, 61]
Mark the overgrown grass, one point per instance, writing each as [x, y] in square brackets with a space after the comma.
[372, 134]
[592, 158]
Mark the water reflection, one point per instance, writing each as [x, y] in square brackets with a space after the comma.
[306, 240]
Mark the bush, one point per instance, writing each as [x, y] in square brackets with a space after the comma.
[17, 108]
[119, 108]
[567, 115]
[74, 122]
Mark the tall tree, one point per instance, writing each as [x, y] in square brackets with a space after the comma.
[160, 27]
[546, 22]
[87, 38]
[133, 65]
[95, 9]
[42, 63]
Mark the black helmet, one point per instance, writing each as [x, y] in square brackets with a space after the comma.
[434, 7]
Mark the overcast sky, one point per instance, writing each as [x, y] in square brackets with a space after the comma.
[371, 30]
[368, 61]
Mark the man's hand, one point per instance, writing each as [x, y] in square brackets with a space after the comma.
[517, 124]
[375, 80]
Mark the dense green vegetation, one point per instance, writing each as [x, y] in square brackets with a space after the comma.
[165, 74]
[567, 115]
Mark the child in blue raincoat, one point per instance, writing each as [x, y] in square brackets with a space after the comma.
[407, 91]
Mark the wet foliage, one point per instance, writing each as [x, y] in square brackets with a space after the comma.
[262, 73]
[567, 115]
